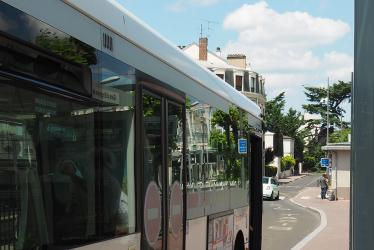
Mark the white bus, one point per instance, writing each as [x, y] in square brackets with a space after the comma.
[111, 137]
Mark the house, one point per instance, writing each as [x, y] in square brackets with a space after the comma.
[235, 70]
[288, 149]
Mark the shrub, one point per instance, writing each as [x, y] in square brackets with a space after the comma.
[287, 162]
[315, 169]
[309, 163]
[270, 171]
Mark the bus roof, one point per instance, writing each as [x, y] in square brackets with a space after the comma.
[131, 28]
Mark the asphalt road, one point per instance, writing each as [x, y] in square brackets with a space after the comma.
[284, 224]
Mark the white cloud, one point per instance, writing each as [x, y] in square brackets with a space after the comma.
[181, 5]
[176, 6]
[203, 2]
[258, 23]
[282, 46]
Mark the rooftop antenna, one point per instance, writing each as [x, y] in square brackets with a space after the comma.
[209, 26]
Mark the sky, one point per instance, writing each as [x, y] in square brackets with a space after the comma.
[292, 43]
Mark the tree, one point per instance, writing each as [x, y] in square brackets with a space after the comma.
[288, 124]
[274, 113]
[339, 93]
[292, 122]
[67, 47]
[232, 123]
[316, 129]
[278, 122]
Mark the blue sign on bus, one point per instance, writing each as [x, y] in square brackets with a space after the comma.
[325, 162]
[242, 146]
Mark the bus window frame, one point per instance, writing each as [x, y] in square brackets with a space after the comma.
[166, 94]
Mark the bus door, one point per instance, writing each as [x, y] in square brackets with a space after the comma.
[163, 182]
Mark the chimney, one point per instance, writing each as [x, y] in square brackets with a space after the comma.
[237, 60]
[203, 48]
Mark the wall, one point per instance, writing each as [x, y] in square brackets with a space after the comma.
[341, 162]
[237, 62]
[288, 146]
[288, 149]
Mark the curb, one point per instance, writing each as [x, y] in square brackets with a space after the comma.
[316, 231]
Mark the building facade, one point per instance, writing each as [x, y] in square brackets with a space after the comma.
[235, 70]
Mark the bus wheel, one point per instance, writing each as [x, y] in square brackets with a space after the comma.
[239, 241]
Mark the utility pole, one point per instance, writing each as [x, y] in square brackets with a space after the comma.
[327, 111]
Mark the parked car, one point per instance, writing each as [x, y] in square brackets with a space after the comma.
[270, 188]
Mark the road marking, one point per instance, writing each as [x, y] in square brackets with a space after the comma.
[288, 214]
[280, 228]
[287, 218]
[305, 198]
[288, 221]
[282, 197]
[314, 181]
[284, 224]
[281, 208]
[313, 234]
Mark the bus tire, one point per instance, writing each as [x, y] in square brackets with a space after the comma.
[239, 241]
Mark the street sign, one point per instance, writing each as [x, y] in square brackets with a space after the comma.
[325, 162]
[242, 146]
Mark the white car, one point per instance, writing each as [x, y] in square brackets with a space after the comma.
[270, 188]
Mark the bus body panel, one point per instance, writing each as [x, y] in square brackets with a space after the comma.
[241, 223]
[148, 42]
[130, 242]
[137, 45]
[196, 233]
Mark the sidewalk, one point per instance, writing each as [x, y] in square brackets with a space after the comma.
[291, 178]
[333, 232]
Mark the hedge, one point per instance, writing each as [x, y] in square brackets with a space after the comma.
[287, 162]
[270, 171]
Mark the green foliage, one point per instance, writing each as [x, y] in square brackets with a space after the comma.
[293, 120]
[315, 169]
[270, 171]
[309, 163]
[340, 136]
[316, 129]
[234, 125]
[287, 162]
[274, 118]
[287, 124]
[67, 47]
[278, 122]
[299, 147]
[151, 106]
[218, 140]
[188, 103]
[339, 93]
